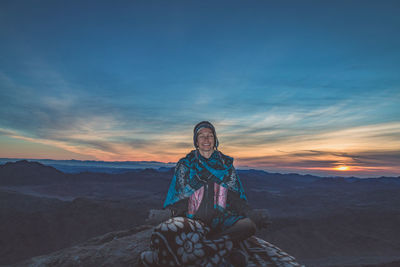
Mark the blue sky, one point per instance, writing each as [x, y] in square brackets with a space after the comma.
[291, 86]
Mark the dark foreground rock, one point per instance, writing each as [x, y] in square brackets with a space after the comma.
[123, 248]
[120, 248]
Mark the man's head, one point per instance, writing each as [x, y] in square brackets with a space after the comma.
[204, 136]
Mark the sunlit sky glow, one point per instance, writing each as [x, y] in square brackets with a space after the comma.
[291, 86]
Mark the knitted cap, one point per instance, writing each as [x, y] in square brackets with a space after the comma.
[204, 124]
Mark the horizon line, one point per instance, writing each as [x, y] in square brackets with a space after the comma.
[239, 167]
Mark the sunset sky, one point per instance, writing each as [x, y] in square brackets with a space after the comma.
[291, 86]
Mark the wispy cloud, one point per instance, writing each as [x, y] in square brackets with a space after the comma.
[372, 149]
[320, 137]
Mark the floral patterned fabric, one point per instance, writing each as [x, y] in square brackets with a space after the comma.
[182, 241]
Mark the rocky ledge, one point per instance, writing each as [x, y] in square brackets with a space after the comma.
[120, 248]
[123, 248]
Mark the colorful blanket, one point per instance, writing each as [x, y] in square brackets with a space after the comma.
[182, 241]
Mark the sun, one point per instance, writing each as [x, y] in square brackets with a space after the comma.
[342, 168]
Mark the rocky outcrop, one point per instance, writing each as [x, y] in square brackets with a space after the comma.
[120, 248]
[123, 248]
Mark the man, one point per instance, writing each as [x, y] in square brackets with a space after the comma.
[209, 209]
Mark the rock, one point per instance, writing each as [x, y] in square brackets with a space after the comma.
[156, 217]
[120, 248]
[123, 248]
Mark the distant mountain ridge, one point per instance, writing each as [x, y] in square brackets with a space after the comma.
[75, 161]
[78, 166]
[25, 172]
[29, 173]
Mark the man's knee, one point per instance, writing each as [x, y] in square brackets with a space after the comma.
[250, 226]
[246, 227]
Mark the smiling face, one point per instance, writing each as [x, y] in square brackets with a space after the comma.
[205, 140]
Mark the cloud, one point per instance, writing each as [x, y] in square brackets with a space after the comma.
[362, 164]
[373, 149]
[377, 158]
[286, 161]
[316, 130]
[6, 132]
[183, 145]
[305, 158]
